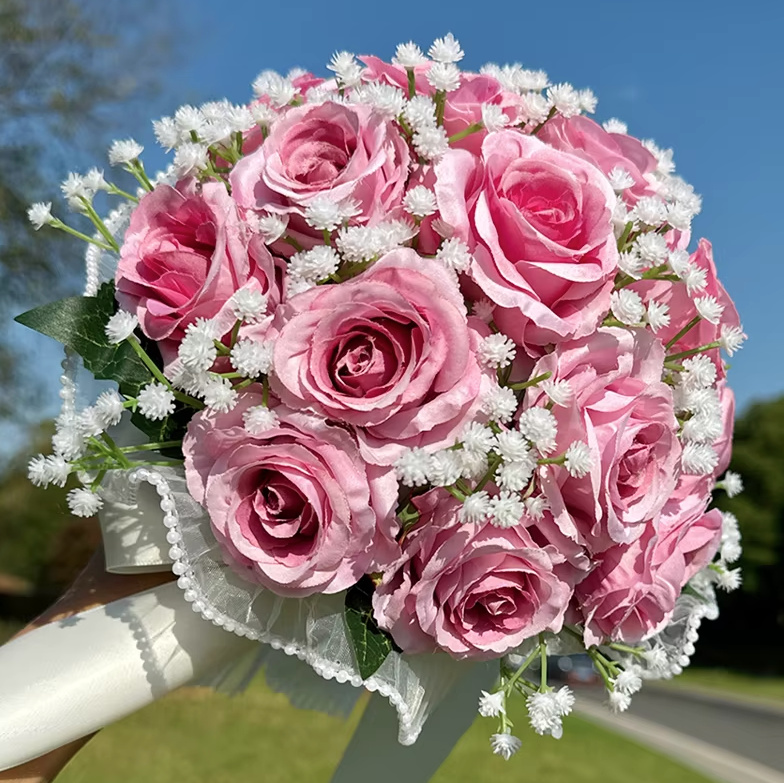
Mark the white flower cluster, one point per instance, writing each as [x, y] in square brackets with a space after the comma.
[538, 99]
[192, 130]
[697, 399]
[546, 710]
[361, 244]
[514, 454]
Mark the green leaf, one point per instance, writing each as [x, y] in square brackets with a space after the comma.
[78, 322]
[371, 644]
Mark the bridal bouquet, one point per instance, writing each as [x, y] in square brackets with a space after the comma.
[422, 371]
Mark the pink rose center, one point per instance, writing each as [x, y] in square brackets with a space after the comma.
[317, 152]
[498, 604]
[635, 465]
[274, 515]
[369, 359]
[545, 198]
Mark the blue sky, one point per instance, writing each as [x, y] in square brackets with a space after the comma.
[701, 77]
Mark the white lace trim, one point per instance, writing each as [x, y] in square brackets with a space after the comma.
[316, 635]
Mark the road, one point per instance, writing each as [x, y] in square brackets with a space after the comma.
[719, 734]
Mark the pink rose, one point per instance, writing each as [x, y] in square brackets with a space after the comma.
[463, 107]
[631, 594]
[294, 508]
[687, 527]
[475, 591]
[628, 597]
[540, 223]
[683, 309]
[624, 412]
[391, 352]
[378, 70]
[185, 253]
[587, 139]
[328, 148]
[723, 444]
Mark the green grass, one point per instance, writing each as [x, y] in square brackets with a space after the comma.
[767, 688]
[202, 737]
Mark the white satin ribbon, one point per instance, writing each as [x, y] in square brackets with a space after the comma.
[68, 679]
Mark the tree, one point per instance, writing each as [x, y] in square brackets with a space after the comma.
[30, 517]
[750, 631]
[72, 73]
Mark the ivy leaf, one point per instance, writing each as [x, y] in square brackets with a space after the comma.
[78, 322]
[371, 644]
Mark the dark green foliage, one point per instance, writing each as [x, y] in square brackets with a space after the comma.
[749, 633]
[79, 322]
[371, 644]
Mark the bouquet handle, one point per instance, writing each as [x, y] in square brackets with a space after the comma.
[68, 679]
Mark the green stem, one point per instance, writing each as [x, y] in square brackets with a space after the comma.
[544, 122]
[293, 242]
[463, 487]
[521, 668]
[543, 670]
[411, 83]
[222, 349]
[638, 651]
[689, 326]
[327, 237]
[624, 238]
[494, 463]
[440, 100]
[164, 444]
[673, 366]
[235, 333]
[168, 463]
[161, 378]
[552, 460]
[622, 281]
[97, 480]
[114, 448]
[102, 447]
[477, 126]
[136, 168]
[115, 191]
[265, 392]
[188, 400]
[99, 224]
[685, 354]
[149, 363]
[57, 223]
[602, 671]
[532, 382]
[612, 666]
[455, 493]
[243, 384]
[401, 121]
